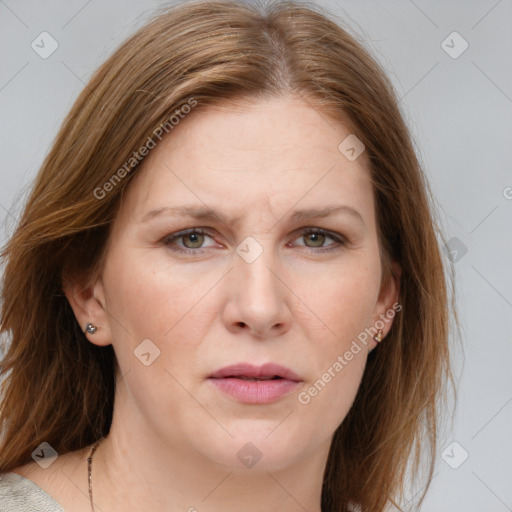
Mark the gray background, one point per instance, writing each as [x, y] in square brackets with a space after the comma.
[460, 114]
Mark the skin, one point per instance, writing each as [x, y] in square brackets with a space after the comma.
[175, 438]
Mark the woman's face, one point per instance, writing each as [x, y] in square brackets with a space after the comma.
[258, 284]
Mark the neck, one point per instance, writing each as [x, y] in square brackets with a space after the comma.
[133, 469]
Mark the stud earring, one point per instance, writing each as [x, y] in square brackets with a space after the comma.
[90, 328]
[378, 336]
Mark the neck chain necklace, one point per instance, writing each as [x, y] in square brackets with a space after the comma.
[89, 470]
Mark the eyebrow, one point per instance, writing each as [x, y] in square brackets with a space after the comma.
[201, 212]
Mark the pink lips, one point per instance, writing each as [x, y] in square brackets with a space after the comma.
[269, 382]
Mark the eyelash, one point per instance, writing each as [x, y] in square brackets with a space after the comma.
[168, 240]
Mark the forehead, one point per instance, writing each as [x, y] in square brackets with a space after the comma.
[268, 153]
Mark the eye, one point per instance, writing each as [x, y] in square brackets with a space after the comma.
[192, 239]
[316, 237]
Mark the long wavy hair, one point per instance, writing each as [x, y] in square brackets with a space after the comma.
[59, 388]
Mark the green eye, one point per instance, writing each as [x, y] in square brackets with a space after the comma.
[192, 241]
[316, 238]
[196, 240]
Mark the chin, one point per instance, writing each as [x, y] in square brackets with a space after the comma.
[258, 451]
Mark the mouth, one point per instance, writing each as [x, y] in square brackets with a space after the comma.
[246, 371]
[243, 377]
[255, 384]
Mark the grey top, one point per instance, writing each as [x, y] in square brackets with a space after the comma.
[19, 494]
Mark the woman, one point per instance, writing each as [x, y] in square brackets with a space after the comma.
[234, 286]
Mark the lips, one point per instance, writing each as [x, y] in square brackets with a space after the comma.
[246, 371]
[250, 384]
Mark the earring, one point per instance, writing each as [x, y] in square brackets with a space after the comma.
[378, 336]
[90, 328]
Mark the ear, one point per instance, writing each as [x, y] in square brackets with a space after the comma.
[388, 302]
[87, 300]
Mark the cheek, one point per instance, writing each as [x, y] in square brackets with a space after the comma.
[343, 304]
[351, 307]
[332, 393]
[342, 300]
[146, 295]
[152, 299]
[164, 306]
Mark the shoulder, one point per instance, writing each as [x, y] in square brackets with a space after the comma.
[54, 488]
[19, 494]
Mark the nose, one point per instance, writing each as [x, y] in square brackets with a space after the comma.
[257, 299]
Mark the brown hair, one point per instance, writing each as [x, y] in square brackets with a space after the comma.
[218, 51]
